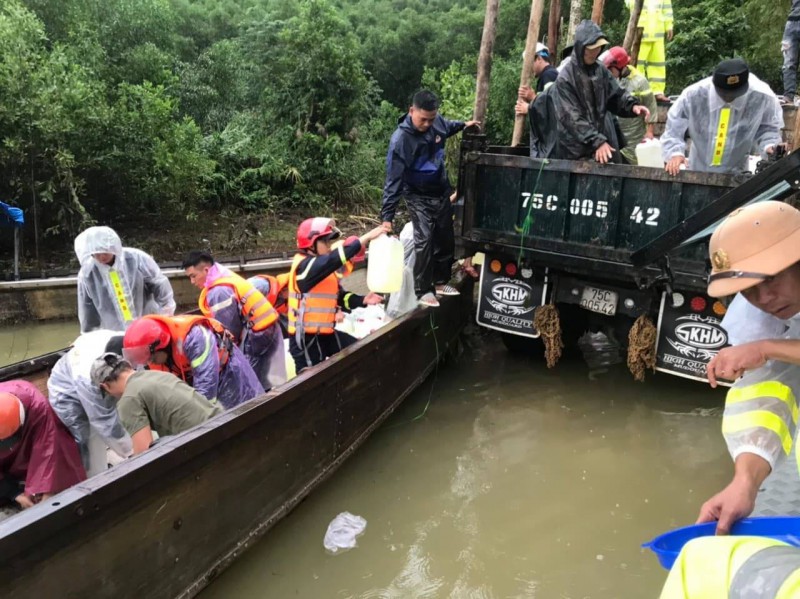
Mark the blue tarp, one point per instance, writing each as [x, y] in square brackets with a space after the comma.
[11, 216]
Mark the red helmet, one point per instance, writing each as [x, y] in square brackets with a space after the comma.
[142, 338]
[315, 228]
[617, 57]
[12, 415]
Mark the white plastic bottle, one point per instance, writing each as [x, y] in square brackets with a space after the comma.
[385, 265]
[648, 153]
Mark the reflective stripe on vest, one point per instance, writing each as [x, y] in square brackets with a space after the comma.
[722, 135]
[257, 312]
[179, 327]
[315, 311]
[766, 574]
[119, 293]
[768, 405]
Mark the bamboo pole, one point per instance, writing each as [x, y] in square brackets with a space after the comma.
[553, 29]
[597, 11]
[537, 8]
[633, 21]
[575, 14]
[485, 60]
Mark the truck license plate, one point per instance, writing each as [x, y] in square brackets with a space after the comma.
[601, 301]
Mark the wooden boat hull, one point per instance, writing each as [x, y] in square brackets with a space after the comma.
[167, 522]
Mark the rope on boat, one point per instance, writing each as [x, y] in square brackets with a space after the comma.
[642, 347]
[548, 323]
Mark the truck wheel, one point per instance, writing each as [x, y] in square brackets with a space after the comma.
[518, 344]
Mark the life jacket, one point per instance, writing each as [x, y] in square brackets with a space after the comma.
[313, 312]
[274, 297]
[179, 326]
[257, 312]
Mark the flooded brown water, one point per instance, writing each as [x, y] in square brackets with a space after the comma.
[516, 482]
[25, 341]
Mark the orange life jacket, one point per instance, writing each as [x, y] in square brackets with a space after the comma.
[274, 297]
[257, 312]
[313, 312]
[179, 327]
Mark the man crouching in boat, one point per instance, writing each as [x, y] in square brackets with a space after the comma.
[315, 294]
[38, 456]
[150, 400]
[89, 415]
[196, 349]
[244, 311]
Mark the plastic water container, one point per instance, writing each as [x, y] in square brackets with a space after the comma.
[385, 266]
[648, 153]
[668, 546]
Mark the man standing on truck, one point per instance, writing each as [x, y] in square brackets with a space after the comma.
[790, 46]
[635, 129]
[415, 169]
[585, 92]
[656, 23]
[545, 73]
[725, 115]
[756, 252]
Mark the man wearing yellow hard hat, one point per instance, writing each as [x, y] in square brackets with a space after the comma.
[755, 253]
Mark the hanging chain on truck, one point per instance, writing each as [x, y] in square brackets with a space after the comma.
[642, 347]
[548, 323]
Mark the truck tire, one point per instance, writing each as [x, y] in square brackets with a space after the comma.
[518, 344]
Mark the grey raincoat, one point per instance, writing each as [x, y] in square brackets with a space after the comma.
[83, 408]
[584, 95]
[111, 297]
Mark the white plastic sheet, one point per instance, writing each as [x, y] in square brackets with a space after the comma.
[343, 531]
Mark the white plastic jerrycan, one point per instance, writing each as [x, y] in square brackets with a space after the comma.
[648, 153]
[385, 265]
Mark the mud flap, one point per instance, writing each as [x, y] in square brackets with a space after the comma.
[690, 333]
[508, 296]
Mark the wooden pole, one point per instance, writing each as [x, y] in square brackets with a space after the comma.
[485, 60]
[537, 8]
[597, 11]
[633, 21]
[16, 253]
[575, 14]
[553, 29]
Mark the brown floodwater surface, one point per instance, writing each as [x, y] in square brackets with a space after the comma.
[25, 341]
[517, 481]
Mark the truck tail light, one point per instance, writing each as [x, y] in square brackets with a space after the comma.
[698, 304]
[511, 269]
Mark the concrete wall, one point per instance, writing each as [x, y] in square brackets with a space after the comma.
[50, 299]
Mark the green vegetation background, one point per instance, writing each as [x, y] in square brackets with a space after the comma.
[145, 111]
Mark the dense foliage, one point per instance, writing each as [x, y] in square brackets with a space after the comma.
[116, 109]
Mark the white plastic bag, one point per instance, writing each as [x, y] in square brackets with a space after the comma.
[362, 321]
[342, 532]
[405, 300]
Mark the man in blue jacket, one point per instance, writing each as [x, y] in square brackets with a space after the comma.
[415, 169]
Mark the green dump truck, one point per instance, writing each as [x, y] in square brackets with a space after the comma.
[566, 233]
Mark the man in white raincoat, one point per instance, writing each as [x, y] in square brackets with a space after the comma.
[89, 414]
[756, 252]
[117, 285]
[727, 116]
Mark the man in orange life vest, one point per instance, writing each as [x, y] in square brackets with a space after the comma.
[244, 311]
[315, 294]
[198, 350]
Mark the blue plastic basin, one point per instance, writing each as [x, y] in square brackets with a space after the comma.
[667, 546]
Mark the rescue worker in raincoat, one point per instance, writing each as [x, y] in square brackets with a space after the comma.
[315, 295]
[244, 311]
[274, 289]
[616, 60]
[657, 26]
[726, 115]
[117, 285]
[583, 95]
[88, 413]
[198, 350]
[38, 456]
[756, 252]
